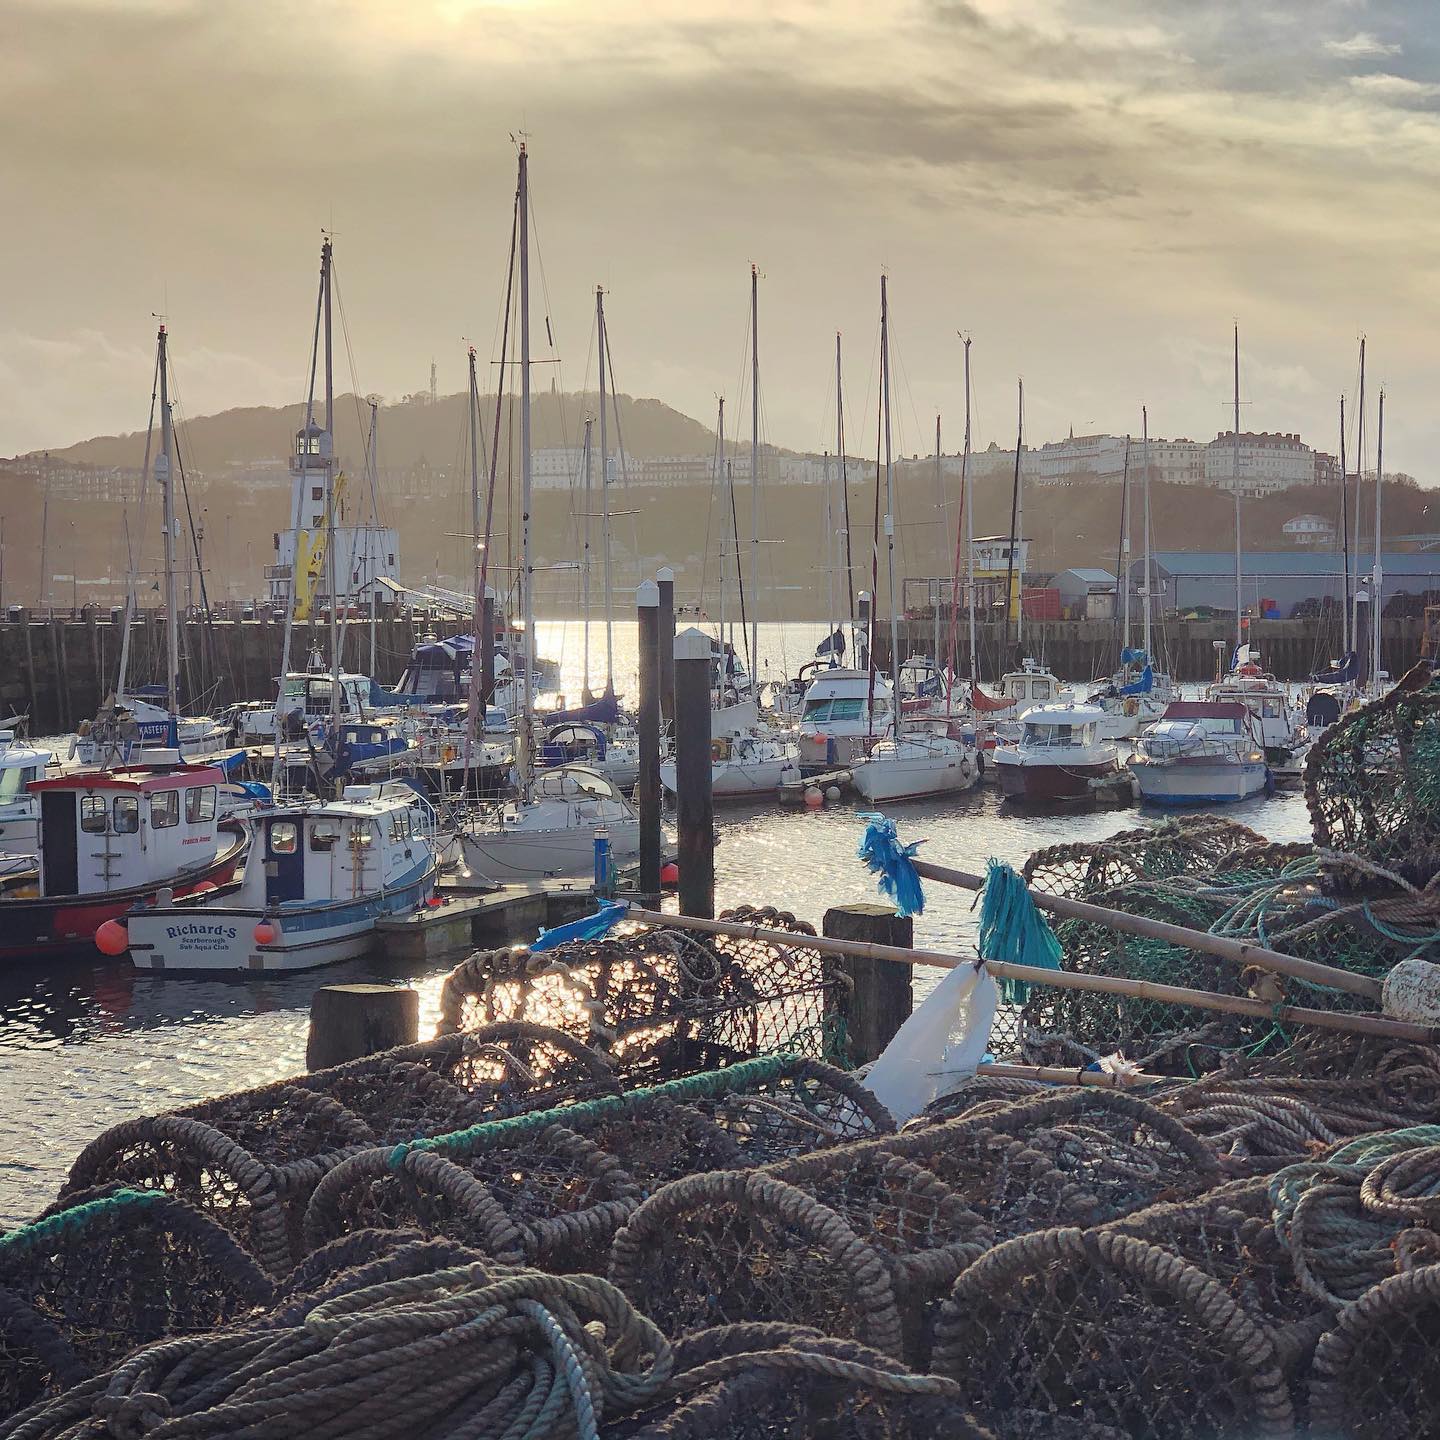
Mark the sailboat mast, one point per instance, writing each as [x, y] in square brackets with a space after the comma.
[1124, 565]
[1235, 487]
[889, 507]
[1359, 486]
[1145, 460]
[1376, 588]
[1014, 538]
[164, 473]
[371, 552]
[754, 478]
[477, 552]
[969, 502]
[943, 533]
[844, 480]
[1345, 531]
[327, 276]
[585, 569]
[830, 538]
[527, 594]
[605, 502]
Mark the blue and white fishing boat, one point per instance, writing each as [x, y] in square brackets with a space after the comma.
[320, 874]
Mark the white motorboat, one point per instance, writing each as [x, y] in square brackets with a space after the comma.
[845, 712]
[19, 808]
[130, 726]
[304, 697]
[743, 766]
[1022, 690]
[551, 834]
[1275, 720]
[1060, 754]
[321, 874]
[1201, 752]
[915, 765]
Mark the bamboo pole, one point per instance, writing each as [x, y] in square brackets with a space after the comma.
[1237, 951]
[1064, 1075]
[1059, 979]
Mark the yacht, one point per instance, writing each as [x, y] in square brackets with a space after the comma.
[845, 712]
[923, 760]
[1060, 754]
[1275, 721]
[320, 875]
[1201, 752]
[110, 838]
[745, 765]
[551, 834]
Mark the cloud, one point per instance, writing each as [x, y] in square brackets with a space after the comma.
[1361, 46]
[1395, 89]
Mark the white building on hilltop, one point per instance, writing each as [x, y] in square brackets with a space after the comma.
[1266, 463]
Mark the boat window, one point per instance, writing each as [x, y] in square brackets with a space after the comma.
[816, 710]
[14, 779]
[284, 837]
[362, 837]
[1271, 710]
[199, 804]
[852, 709]
[323, 835]
[400, 825]
[164, 809]
[93, 812]
[126, 811]
[1040, 690]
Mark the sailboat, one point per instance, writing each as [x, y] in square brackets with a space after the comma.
[921, 761]
[135, 720]
[549, 829]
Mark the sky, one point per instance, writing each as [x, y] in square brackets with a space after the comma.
[1093, 190]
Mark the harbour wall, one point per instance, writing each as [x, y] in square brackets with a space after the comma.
[1086, 649]
[58, 671]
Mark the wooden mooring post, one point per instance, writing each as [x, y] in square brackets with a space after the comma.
[882, 994]
[694, 793]
[348, 1021]
[647, 724]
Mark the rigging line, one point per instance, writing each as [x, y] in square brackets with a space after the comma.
[360, 424]
[709, 523]
[620, 449]
[875, 560]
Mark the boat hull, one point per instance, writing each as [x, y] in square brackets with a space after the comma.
[740, 781]
[881, 781]
[1051, 782]
[1199, 783]
[519, 855]
[42, 926]
[206, 939]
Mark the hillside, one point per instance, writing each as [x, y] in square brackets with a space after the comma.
[410, 431]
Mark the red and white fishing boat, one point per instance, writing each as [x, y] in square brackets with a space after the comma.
[110, 839]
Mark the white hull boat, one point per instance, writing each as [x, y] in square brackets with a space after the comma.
[914, 767]
[321, 874]
[744, 767]
[1201, 752]
[551, 836]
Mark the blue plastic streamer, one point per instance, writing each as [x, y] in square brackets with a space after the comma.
[893, 863]
[1012, 929]
[591, 927]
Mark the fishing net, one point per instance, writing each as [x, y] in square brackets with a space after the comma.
[84, 1285]
[1103, 1329]
[552, 1187]
[757, 1381]
[1376, 1375]
[662, 1001]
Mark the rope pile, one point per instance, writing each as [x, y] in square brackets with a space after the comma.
[666, 1001]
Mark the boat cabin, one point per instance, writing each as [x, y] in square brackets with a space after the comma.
[369, 839]
[113, 830]
[19, 765]
[1266, 702]
[571, 743]
[836, 703]
[1061, 727]
[1220, 727]
[1032, 684]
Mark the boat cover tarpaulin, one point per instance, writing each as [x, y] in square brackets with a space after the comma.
[1143, 685]
[1345, 673]
[602, 711]
[1205, 710]
[981, 701]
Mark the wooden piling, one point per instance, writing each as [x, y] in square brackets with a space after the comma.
[647, 724]
[694, 796]
[348, 1021]
[881, 991]
[665, 580]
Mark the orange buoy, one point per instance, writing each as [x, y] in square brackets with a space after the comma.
[113, 938]
[266, 933]
[670, 873]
